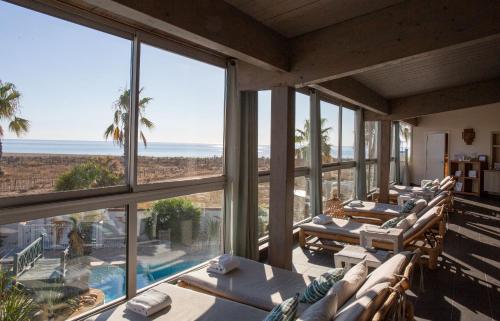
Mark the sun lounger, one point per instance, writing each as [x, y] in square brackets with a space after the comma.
[378, 213]
[394, 274]
[188, 305]
[422, 234]
[396, 190]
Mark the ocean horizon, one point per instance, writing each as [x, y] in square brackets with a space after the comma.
[108, 148]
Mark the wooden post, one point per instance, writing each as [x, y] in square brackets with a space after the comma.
[315, 145]
[282, 177]
[384, 160]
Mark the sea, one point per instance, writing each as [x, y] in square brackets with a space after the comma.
[155, 149]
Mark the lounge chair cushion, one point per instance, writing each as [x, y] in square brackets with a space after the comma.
[253, 283]
[421, 222]
[407, 222]
[187, 305]
[364, 307]
[446, 187]
[432, 203]
[338, 226]
[320, 286]
[444, 180]
[420, 204]
[350, 283]
[323, 310]
[285, 311]
[384, 273]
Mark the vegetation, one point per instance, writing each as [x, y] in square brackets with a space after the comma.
[15, 304]
[302, 137]
[90, 174]
[9, 109]
[169, 213]
[118, 130]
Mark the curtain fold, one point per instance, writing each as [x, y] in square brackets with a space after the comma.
[359, 155]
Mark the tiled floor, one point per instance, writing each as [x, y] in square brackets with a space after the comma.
[466, 285]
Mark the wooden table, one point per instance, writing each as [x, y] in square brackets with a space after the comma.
[391, 235]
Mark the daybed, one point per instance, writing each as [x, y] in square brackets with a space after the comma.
[422, 234]
[395, 191]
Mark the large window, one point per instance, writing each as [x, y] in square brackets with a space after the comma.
[371, 136]
[177, 233]
[329, 132]
[264, 155]
[61, 86]
[67, 264]
[67, 121]
[181, 119]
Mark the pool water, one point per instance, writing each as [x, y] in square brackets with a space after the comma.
[112, 279]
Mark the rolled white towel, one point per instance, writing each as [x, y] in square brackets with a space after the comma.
[223, 264]
[149, 302]
[322, 219]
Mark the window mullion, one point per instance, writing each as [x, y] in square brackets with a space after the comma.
[133, 115]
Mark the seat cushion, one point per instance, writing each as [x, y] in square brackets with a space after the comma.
[338, 226]
[253, 283]
[407, 222]
[206, 308]
[350, 283]
[421, 222]
[323, 310]
[364, 307]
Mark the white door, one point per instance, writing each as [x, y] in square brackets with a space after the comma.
[434, 156]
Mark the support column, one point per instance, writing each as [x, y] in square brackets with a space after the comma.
[315, 144]
[384, 160]
[359, 155]
[282, 177]
[397, 163]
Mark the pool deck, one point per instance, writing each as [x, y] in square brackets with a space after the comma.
[466, 285]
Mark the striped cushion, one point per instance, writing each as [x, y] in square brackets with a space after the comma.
[320, 286]
[285, 311]
[408, 206]
[392, 222]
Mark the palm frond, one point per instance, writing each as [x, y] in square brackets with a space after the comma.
[109, 131]
[19, 126]
[147, 123]
[143, 138]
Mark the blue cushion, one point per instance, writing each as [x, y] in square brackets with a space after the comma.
[285, 311]
[408, 206]
[320, 286]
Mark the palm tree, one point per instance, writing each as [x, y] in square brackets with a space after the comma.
[9, 108]
[302, 137]
[118, 130]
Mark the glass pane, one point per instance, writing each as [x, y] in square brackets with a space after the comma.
[263, 214]
[371, 133]
[264, 130]
[177, 233]
[68, 264]
[181, 119]
[301, 199]
[302, 128]
[347, 184]
[330, 187]
[392, 171]
[61, 86]
[371, 177]
[329, 132]
[347, 134]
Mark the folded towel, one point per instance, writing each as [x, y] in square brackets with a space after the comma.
[322, 219]
[223, 264]
[149, 302]
[356, 203]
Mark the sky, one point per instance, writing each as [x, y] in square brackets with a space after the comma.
[70, 76]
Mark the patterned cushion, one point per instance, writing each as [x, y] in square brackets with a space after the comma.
[408, 206]
[285, 311]
[320, 286]
[392, 222]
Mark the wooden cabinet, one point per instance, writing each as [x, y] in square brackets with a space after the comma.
[470, 184]
[492, 181]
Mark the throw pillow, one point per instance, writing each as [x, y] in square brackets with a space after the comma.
[407, 222]
[320, 286]
[285, 311]
[323, 310]
[392, 222]
[408, 206]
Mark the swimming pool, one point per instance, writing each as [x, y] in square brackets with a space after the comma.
[112, 279]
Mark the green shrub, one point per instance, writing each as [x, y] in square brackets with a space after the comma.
[169, 213]
[90, 174]
[15, 304]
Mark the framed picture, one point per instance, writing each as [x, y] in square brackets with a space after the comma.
[458, 187]
[482, 158]
[458, 173]
[472, 173]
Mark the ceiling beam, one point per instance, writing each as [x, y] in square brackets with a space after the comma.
[454, 98]
[411, 29]
[215, 25]
[352, 91]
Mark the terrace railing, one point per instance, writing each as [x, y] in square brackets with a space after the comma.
[28, 256]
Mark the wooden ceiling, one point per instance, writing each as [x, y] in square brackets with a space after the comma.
[435, 70]
[296, 17]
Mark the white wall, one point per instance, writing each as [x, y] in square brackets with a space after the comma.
[484, 120]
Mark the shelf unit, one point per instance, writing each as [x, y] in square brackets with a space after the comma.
[470, 185]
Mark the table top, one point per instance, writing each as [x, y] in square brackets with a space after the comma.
[358, 252]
